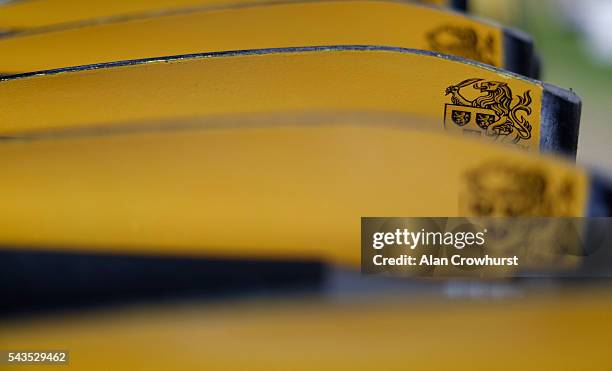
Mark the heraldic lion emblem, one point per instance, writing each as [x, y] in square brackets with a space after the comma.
[463, 42]
[495, 113]
[502, 188]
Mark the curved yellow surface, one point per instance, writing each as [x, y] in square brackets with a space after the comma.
[260, 191]
[28, 14]
[297, 80]
[254, 27]
[569, 332]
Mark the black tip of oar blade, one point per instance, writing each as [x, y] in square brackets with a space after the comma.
[536, 66]
[600, 196]
[34, 281]
[519, 53]
[560, 120]
[460, 5]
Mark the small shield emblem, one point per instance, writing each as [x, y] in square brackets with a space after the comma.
[461, 118]
[483, 120]
[468, 120]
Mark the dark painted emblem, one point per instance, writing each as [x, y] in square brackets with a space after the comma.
[494, 111]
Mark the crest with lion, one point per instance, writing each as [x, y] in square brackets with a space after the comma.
[510, 120]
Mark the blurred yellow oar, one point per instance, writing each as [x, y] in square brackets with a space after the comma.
[19, 15]
[261, 191]
[496, 104]
[273, 25]
[532, 332]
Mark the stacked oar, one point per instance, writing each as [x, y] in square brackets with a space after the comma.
[204, 149]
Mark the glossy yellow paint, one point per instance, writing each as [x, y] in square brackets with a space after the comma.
[31, 14]
[293, 190]
[547, 332]
[253, 27]
[335, 79]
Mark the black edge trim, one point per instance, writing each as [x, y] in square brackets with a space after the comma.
[519, 53]
[460, 5]
[600, 196]
[32, 280]
[560, 120]
[536, 66]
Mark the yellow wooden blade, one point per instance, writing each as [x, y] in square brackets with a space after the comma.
[539, 331]
[500, 106]
[18, 15]
[296, 190]
[263, 26]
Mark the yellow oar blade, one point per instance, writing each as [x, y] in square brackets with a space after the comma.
[280, 191]
[533, 331]
[275, 25]
[25, 15]
[500, 106]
